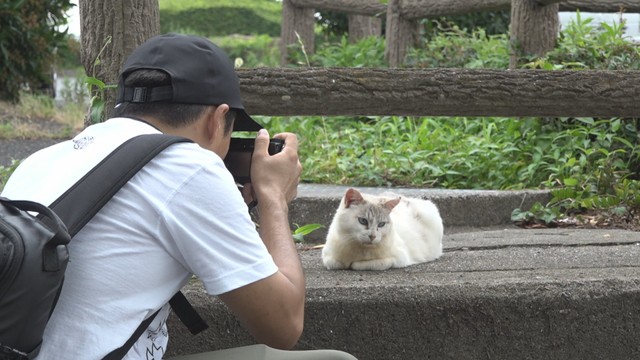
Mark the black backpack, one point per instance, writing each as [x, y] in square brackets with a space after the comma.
[34, 255]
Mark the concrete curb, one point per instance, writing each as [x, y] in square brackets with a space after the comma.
[459, 209]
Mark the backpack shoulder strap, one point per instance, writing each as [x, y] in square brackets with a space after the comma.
[87, 196]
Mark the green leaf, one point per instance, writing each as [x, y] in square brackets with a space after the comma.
[307, 229]
[90, 80]
[570, 182]
[97, 109]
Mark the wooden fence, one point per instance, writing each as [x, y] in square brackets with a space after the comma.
[534, 23]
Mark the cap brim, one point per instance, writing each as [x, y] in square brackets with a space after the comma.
[244, 122]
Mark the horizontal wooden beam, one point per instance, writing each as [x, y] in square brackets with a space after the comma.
[420, 9]
[356, 7]
[595, 5]
[440, 92]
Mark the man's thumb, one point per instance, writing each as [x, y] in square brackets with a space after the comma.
[262, 142]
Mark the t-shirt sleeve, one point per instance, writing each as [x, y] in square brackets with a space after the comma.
[213, 233]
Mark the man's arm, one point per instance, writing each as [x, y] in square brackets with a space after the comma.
[272, 309]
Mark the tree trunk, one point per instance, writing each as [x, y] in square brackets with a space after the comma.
[439, 92]
[296, 29]
[110, 30]
[534, 29]
[361, 27]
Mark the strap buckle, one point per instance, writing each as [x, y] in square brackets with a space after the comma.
[9, 353]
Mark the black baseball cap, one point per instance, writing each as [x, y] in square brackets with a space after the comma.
[201, 73]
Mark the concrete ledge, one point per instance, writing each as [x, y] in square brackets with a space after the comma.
[460, 209]
[502, 294]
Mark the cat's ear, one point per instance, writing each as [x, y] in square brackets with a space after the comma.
[352, 196]
[392, 203]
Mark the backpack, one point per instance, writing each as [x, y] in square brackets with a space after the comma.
[34, 254]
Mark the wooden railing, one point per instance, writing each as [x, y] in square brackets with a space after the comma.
[440, 92]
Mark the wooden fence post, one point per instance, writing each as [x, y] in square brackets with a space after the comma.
[296, 21]
[534, 29]
[361, 26]
[400, 33]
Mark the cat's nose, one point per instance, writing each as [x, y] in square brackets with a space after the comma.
[372, 237]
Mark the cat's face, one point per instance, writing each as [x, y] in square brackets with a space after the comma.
[366, 222]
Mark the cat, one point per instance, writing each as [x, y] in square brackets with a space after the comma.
[380, 232]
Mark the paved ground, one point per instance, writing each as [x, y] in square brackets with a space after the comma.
[501, 294]
[20, 149]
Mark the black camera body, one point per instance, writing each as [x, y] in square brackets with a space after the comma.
[238, 159]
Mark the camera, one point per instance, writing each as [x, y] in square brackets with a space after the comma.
[238, 159]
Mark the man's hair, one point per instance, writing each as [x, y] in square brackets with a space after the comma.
[174, 115]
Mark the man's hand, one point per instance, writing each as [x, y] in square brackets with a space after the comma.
[275, 177]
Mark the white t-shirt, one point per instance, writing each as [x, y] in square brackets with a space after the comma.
[182, 214]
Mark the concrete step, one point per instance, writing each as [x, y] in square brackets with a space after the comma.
[505, 293]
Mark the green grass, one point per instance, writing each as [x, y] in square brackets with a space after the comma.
[458, 153]
[37, 116]
[219, 18]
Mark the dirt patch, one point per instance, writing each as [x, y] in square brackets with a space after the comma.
[20, 121]
[23, 132]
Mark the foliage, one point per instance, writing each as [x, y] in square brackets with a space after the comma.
[368, 52]
[462, 153]
[220, 18]
[491, 22]
[584, 46]
[453, 47]
[334, 24]
[28, 37]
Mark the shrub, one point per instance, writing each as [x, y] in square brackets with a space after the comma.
[368, 52]
[584, 46]
[28, 39]
[491, 22]
[456, 48]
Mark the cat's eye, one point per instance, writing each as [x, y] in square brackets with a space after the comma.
[382, 224]
[363, 221]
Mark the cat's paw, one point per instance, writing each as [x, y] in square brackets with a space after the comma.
[333, 264]
[377, 264]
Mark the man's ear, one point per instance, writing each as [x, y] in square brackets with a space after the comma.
[215, 122]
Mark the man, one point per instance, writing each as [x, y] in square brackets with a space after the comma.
[182, 214]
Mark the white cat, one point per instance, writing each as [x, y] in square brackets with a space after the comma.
[380, 232]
